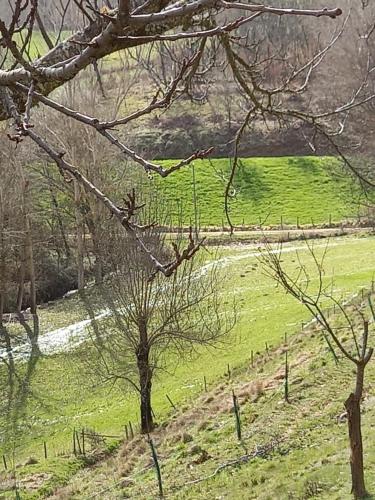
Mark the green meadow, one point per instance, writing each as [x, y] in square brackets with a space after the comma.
[60, 397]
[291, 190]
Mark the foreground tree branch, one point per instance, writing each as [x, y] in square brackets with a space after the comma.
[105, 35]
[26, 81]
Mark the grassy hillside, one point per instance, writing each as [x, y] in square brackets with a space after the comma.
[296, 450]
[308, 188]
[62, 398]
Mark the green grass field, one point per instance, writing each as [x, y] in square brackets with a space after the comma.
[312, 189]
[61, 397]
[295, 450]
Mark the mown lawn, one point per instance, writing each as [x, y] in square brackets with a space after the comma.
[62, 397]
[307, 190]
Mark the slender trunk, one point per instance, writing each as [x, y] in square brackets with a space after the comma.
[57, 213]
[2, 259]
[145, 380]
[98, 266]
[353, 408]
[21, 283]
[30, 260]
[32, 333]
[2, 302]
[95, 239]
[79, 229]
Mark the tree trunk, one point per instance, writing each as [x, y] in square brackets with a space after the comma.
[145, 383]
[56, 211]
[147, 423]
[21, 283]
[353, 408]
[79, 234]
[96, 249]
[31, 266]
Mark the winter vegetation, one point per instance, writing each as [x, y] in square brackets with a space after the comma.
[187, 274]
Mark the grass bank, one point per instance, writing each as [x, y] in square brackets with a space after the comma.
[288, 190]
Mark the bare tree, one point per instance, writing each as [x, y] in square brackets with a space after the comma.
[311, 291]
[26, 81]
[150, 322]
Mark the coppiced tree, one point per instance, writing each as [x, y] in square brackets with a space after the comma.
[150, 323]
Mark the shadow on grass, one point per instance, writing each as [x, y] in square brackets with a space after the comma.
[251, 183]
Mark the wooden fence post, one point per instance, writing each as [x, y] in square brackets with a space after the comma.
[171, 402]
[237, 416]
[286, 381]
[157, 466]
[74, 442]
[83, 441]
[78, 443]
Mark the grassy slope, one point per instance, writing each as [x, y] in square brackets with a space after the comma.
[310, 459]
[63, 398]
[266, 189]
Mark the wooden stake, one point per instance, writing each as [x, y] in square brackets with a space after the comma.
[78, 443]
[157, 466]
[286, 381]
[74, 442]
[237, 416]
[171, 402]
[83, 442]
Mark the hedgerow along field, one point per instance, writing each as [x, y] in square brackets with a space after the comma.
[270, 191]
[63, 398]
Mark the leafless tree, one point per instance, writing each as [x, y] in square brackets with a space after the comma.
[151, 322]
[26, 81]
[310, 289]
[17, 245]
